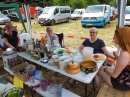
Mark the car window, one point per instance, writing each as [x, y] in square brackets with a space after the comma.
[47, 10]
[127, 11]
[2, 16]
[76, 12]
[94, 9]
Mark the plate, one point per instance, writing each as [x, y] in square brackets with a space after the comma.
[60, 51]
[2, 88]
[99, 56]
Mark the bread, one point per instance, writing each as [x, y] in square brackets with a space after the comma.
[72, 68]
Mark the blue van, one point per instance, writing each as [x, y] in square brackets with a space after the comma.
[96, 15]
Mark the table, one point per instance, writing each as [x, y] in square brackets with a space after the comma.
[81, 76]
[65, 93]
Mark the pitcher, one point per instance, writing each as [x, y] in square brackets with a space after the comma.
[88, 53]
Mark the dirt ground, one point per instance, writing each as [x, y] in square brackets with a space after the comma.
[59, 78]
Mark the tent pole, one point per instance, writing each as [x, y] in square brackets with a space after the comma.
[26, 10]
[121, 5]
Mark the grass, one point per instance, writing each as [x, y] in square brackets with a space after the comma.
[73, 28]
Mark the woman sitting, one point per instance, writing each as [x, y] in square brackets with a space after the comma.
[10, 37]
[51, 35]
[118, 77]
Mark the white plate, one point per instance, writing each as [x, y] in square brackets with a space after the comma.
[55, 51]
[2, 88]
[101, 56]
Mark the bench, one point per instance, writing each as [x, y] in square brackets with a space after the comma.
[108, 91]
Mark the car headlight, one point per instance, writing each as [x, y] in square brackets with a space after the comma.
[98, 18]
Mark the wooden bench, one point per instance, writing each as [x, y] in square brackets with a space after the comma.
[108, 91]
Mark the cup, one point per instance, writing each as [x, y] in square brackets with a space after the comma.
[62, 64]
[56, 62]
[55, 57]
[32, 54]
[43, 84]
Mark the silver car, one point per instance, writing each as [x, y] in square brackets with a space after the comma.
[127, 16]
[4, 19]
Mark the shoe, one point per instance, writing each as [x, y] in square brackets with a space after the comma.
[67, 85]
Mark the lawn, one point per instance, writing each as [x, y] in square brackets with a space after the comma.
[73, 28]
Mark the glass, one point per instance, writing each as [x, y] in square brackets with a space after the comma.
[56, 62]
[43, 84]
[42, 53]
[49, 55]
[92, 32]
[32, 54]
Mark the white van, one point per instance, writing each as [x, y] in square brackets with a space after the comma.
[54, 14]
[77, 13]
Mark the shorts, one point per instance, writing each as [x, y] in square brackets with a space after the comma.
[118, 86]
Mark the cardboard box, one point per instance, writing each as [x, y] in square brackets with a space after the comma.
[24, 77]
[6, 58]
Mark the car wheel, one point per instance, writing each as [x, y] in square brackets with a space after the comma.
[83, 26]
[67, 20]
[103, 24]
[52, 22]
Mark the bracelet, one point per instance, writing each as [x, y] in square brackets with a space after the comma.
[105, 69]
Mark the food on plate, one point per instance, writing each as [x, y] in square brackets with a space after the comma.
[72, 68]
[99, 56]
[14, 93]
[68, 51]
[60, 52]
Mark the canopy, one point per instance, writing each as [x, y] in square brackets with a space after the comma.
[16, 7]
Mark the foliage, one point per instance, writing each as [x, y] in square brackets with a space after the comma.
[76, 3]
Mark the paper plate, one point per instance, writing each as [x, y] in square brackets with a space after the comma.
[2, 88]
[99, 56]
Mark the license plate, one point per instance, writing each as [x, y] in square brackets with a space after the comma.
[89, 24]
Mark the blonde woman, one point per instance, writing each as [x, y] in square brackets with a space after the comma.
[118, 77]
[10, 37]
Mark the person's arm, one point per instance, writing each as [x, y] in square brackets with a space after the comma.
[110, 54]
[7, 43]
[123, 61]
[57, 39]
[19, 41]
[81, 47]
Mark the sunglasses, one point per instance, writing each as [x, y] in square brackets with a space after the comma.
[92, 32]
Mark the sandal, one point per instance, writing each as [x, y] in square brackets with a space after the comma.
[75, 83]
[67, 85]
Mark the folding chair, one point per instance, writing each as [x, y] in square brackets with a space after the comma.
[61, 39]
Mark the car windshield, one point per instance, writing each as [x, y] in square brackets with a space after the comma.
[94, 9]
[47, 10]
[2, 16]
[127, 11]
[76, 12]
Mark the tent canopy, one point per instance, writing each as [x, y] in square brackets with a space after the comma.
[16, 7]
[20, 1]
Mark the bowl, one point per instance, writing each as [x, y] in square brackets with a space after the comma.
[88, 66]
[30, 69]
[14, 92]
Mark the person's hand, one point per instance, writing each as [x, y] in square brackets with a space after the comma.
[115, 53]
[103, 67]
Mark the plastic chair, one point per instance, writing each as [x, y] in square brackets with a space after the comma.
[61, 39]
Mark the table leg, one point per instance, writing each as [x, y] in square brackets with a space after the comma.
[86, 90]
